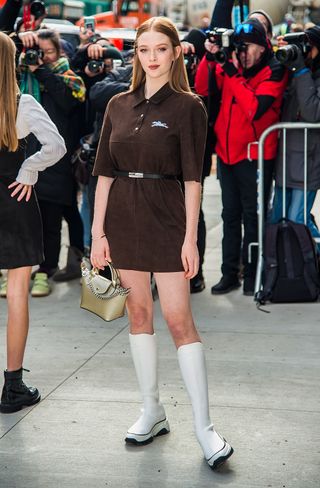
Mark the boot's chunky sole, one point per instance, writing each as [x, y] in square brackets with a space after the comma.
[7, 408]
[221, 456]
[160, 428]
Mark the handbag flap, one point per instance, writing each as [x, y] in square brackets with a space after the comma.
[100, 284]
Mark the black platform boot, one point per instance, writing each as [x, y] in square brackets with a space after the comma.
[15, 394]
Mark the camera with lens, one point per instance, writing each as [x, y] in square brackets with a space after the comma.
[297, 42]
[190, 61]
[224, 39]
[32, 56]
[37, 9]
[87, 152]
[95, 65]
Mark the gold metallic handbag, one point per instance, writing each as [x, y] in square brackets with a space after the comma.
[101, 296]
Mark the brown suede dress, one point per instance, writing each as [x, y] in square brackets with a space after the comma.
[146, 219]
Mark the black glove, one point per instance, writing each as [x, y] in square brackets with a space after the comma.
[229, 68]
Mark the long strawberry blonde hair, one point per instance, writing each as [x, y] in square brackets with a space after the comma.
[9, 91]
[178, 79]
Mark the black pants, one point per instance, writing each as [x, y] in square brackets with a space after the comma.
[239, 206]
[52, 214]
[202, 233]
[72, 216]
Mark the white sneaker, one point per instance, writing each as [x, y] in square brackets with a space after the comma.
[147, 427]
[222, 450]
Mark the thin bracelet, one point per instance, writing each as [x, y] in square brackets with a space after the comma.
[97, 238]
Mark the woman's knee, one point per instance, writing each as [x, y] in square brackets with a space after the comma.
[18, 285]
[180, 325]
[140, 319]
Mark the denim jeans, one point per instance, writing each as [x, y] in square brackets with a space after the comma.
[86, 217]
[294, 208]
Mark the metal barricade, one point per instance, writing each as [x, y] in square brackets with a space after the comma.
[284, 126]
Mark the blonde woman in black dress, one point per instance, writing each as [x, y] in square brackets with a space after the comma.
[20, 221]
[153, 134]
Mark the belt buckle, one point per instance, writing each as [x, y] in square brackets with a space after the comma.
[133, 174]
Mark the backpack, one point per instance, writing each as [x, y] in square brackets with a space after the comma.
[291, 272]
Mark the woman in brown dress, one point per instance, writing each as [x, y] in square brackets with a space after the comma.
[20, 221]
[152, 135]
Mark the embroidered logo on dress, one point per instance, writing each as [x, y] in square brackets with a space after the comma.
[157, 123]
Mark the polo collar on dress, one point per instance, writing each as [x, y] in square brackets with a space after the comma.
[164, 92]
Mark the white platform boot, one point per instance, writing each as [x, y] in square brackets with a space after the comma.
[193, 369]
[153, 421]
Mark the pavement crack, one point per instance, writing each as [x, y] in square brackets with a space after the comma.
[67, 378]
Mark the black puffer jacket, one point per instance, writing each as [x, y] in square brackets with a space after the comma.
[117, 81]
[56, 183]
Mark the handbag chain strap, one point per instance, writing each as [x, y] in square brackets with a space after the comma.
[115, 280]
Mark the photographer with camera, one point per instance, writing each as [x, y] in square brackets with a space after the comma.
[47, 76]
[300, 52]
[252, 83]
[92, 62]
[222, 16]
[34, 12]
[24, 38]
[116, 81]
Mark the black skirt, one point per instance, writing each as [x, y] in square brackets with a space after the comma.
[20, 222]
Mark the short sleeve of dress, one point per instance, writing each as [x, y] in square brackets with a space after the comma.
[193, 134]
[103, 165]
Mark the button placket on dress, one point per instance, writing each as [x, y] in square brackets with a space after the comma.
[141, 118]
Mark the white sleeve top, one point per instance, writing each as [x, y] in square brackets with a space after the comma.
[32, 118]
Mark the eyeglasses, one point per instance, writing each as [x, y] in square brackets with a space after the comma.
[244, 28]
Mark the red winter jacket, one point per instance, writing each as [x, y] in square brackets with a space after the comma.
[248, 106]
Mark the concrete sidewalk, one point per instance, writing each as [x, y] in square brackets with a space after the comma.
[263, 370]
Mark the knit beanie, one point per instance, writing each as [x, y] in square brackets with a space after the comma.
[252, 31]
[266, 16]
[314, 35]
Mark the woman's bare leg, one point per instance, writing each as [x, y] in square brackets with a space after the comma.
[174, 296]
[139, 302]
[15, 394]
[153, 421]
[18, 316]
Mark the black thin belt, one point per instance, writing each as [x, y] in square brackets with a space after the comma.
[152, 176]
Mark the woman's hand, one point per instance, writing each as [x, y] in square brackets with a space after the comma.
[100, 252]
[28, 39]
[95, 51]
[211, 47]
[24, 190]
[190, 259]
[281, 42]
[187, 47]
